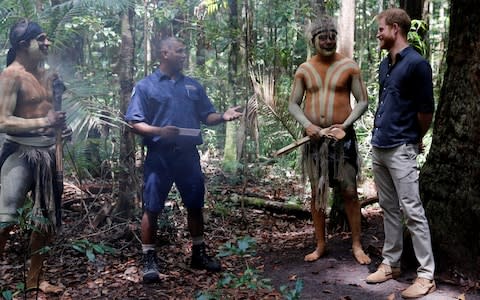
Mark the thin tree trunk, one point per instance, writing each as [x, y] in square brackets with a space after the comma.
[346, 26]
[147, 23]
[126, 174]
[230, 150]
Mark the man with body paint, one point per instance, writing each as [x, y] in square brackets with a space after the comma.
[324, 83]
[27, 158]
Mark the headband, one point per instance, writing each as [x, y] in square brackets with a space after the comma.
[18, 33]
[323, 24]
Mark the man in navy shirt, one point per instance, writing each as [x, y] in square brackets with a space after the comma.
[404, 114]
[167, 108]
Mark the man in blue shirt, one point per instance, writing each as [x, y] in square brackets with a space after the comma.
[404, 114]
[167, 108]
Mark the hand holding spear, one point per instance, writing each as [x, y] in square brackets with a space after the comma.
[329, 132]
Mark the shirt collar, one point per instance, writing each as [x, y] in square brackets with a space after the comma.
[162, 76]
[401, 54]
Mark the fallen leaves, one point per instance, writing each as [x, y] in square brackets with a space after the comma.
[47, 288]
[118, 276]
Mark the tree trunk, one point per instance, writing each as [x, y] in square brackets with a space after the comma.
[449, 180]
[346, 26]
[414, 8]
[230, 149]
[233, 55]
[147, 46]
[126, 174]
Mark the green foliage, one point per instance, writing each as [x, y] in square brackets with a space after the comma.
[244, 246]
[249, 279]
[12, 10]
[91, 106]
[331, 6]
[223, 208]
[416, 36]
[210, 140]
[9, 294]
[166, 222]
[277, 46]
[213, 6]
[292, 294]
[25, 222]
[25, 219]
[91, 158]
[231, 166]
[91, 249]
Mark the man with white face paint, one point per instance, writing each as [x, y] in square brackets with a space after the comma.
[27, 158]
[324, 83]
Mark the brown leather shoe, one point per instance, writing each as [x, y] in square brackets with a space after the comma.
[383, 273]
[419, 288]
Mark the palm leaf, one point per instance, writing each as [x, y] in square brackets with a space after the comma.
[88, 105]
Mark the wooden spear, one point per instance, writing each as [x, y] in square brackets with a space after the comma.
[58, 88]
[330, 132]
[292, 146]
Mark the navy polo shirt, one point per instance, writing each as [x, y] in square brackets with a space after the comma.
[160, 101]
[406, 89]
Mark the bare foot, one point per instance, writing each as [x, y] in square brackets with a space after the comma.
[360, 256]
[315, 254]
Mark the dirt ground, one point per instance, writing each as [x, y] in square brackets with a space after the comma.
[281, 242]
[337, 276]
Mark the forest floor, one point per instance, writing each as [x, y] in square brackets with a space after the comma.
[262, 252]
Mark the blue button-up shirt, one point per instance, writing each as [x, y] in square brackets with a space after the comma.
[160, 101]
[405, 89]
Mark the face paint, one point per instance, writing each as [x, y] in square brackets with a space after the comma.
[324, 35]
[23, 32]
[331, 35]
[326, 42]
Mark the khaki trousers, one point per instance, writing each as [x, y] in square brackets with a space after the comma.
[396, 176]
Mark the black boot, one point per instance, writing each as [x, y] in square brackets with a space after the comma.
[200, 260]
[150, 267]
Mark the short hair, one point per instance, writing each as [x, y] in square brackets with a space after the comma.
[166, 42]
[396, 15]
[323, 24]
